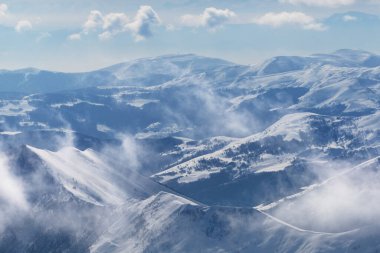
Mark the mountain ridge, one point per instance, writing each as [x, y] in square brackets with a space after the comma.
[159, 70]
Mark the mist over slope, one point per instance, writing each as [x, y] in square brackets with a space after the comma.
[156, 154]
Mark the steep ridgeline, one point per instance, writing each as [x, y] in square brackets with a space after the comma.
[183, 153]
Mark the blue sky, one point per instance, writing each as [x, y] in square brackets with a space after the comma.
[80, 35]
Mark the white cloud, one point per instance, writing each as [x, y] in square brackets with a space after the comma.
[141, 26]
[345, 201]
[115, 21]
[290, 18]
[13, 197]
[211, 18]
[74, 36]
[112, 24]
[348, 18]
[3, 10]
[11, 189]
[321, 3]
[93, 22]
[23, 25]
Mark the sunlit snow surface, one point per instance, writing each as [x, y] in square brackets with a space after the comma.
[183, 153]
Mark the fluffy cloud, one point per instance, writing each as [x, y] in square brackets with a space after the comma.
[3, 10]
[113, 24]
[324, 3]
[211, 18]
[93, 22]
[11, 190]
[109, 25]
[141, 26]
[13, 197]
[23, 25]
[290, 18]
[346, 200]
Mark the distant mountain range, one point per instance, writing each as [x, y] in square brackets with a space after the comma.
[169, 68]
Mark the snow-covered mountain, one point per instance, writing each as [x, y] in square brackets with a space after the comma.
[156, 154]
[141, 72]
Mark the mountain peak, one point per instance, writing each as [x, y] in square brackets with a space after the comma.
[177, 59]
[351, 52]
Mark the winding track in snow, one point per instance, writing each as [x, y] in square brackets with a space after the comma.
[301, 229]
[273, 218]
[261, 209]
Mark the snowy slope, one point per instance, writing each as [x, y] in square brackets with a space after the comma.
[266, 165]
[296, 137]
[340, 58]
[91, 179]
